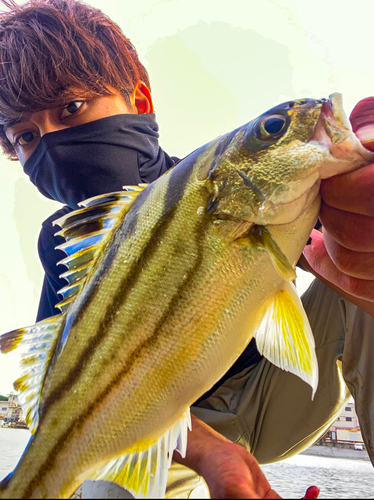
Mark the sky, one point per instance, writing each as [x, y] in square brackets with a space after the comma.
[213, 65]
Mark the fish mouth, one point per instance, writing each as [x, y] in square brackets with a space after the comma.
[333, 130]
[332, 127]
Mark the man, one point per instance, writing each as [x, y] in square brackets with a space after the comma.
[76, 110]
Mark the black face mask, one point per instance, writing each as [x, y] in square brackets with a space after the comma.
[98, 157]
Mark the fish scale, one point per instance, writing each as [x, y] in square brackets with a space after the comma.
[178, 278]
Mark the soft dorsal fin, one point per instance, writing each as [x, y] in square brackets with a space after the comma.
[36, 344]
[86, 232]
[144, 472]
[285, 338]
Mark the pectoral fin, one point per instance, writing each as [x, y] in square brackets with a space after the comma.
[143, 472]
[262, 235]
[285, 338]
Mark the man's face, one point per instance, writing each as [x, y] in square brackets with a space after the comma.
[25, 136]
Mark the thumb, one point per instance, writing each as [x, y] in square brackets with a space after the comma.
[312, 492]
[319, 260]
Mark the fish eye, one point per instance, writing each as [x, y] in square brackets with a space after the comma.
[273, 124]
[271, 127]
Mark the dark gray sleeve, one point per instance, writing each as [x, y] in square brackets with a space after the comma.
[49, 258]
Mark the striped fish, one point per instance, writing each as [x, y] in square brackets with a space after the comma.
[167, 284]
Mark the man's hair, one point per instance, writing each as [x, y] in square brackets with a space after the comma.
[50, 46]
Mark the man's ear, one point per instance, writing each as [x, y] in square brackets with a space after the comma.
[141, 99]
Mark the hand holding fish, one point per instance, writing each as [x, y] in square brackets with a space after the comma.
[232, 472]
[229, 469]
[344, 253]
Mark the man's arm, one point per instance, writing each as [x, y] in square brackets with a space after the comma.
[49, 258]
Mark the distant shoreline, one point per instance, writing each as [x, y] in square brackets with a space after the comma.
[316, 450]
[335, 452]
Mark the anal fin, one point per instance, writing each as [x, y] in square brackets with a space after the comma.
[285, 337]
[143, 472]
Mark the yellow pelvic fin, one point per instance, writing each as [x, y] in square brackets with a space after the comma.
[86, 232]
[285, 338]
[143, 472]
[36, 346]
[262, 235]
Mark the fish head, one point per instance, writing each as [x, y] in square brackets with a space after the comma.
[270, 169]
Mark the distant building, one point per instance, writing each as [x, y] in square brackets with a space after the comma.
[10, 411]
[346, 428]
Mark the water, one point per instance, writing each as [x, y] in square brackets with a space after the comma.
[336, 477]
[12, 444]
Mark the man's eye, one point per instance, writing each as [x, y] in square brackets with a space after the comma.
[71, 108]
[25, 138]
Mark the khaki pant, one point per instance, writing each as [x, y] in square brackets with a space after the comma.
[270, 412]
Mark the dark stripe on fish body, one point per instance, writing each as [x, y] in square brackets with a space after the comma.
[224, 143]
[131, 222]
[79, 422]
[222, 147]
[124, 288]
[179, 177]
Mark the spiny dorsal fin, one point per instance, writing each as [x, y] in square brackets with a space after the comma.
[144, 473]
[36, 344]
[86, 232]
[285, 338]
[117, 196]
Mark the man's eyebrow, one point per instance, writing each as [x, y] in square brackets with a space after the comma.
[9, 125]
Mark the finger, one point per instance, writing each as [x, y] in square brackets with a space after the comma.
[362, 113]
[352, 231]
[352, 192]
[318, 258]
[312, 492]
[356, 264]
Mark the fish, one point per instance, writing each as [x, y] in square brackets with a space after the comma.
[167, 285]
